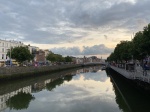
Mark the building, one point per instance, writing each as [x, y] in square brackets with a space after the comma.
[79, 60]
[33, 49]
[6, 45]
[40, 56]
[95, 59]
[47, 52]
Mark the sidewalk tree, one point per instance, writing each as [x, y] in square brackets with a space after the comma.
[137, 48]
[146, 39]
[20, 54]
[138, 42]
[123, 51]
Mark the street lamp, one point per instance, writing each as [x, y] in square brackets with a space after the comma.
[10, 56]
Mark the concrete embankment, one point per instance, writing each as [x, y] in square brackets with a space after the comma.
[8, 73]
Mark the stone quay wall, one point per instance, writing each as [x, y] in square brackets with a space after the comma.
[10, 73]
[32, 69]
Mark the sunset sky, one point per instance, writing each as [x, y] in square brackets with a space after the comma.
[73, 27]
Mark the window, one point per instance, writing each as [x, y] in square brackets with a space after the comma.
[2, 49]
[2, 56]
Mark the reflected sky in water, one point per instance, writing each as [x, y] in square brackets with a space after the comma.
[86, 92]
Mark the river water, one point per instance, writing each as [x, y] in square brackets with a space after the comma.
[79, 90]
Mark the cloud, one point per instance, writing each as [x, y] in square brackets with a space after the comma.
[93, 50]
[96, 50]
[67, 51]
[105, 36]
[57, 21]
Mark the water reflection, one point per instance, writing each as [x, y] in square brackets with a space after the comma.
[128, 97]
[19, 101]
[18, 95]
[84, 90]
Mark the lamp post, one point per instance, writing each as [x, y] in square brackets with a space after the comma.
[10, 56]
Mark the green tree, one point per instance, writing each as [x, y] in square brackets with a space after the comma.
[59, 58]
[112, 57]
[20, 54]
[123, 51]
[68, 59]
[138, 42]
[51, 57]
[146, 39]
[138, 47]
[54, 57]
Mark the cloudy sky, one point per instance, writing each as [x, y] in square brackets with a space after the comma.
[73, 27]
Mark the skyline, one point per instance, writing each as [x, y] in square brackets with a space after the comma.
[73, 27]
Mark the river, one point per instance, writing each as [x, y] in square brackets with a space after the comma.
[79, 90]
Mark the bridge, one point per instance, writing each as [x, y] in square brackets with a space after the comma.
[93, 63]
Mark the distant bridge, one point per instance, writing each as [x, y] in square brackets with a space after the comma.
[93, 63]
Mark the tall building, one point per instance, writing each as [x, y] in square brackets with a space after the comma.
[6, 45]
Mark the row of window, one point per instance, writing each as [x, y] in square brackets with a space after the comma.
[8, 44]
[3, 50]
[4, 56]
[3, 44]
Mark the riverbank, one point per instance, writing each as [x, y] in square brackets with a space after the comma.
[134, 96]
[10, 73]
[136, 77]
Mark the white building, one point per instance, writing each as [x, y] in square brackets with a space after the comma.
[79, 60]
[33, 49]
[4, 47]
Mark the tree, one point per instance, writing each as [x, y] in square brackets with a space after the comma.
[123, 51]
[146, 40]
[54, 57]
[20, 54]
[138, 42]
[138, 47]
[68, 59]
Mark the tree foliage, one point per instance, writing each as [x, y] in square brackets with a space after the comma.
[20, 54]
[68, 59]
[137, 48]
[58, 58]
[54, 57]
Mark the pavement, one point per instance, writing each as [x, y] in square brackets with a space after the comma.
[138, 73]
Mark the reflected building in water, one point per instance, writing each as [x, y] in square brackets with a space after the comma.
[49, 84]
[7, 96]
[89, 69]
[37, 87]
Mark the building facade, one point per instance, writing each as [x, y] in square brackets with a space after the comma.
[4, 47]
